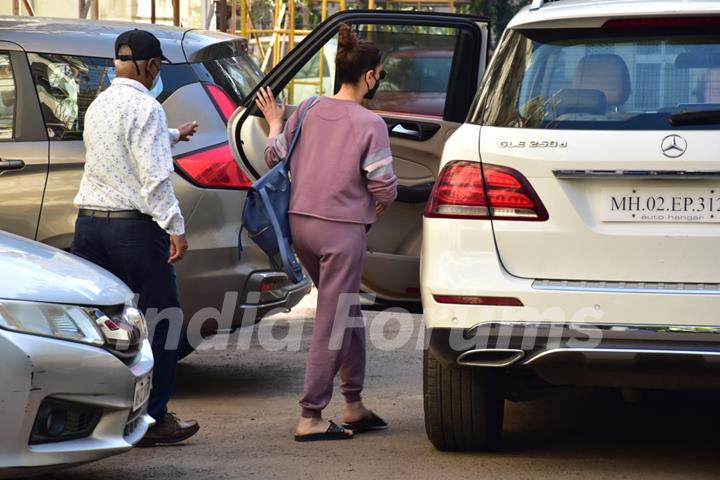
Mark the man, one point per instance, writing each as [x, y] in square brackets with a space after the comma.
[129, 220]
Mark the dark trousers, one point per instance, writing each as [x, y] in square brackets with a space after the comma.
[137, 252]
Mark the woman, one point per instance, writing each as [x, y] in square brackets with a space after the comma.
[342, 179]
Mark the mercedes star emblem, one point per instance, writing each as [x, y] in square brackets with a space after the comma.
[673, 146]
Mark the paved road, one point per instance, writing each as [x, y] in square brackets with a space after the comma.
[246, 403]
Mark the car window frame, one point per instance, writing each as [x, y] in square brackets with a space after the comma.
[29, 125]
[17, 99]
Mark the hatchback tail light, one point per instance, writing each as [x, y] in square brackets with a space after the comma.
[224, 104]
[214, 167]
[473, 191]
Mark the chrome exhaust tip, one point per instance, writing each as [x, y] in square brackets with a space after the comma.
[490, 357]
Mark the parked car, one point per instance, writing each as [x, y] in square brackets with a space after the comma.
[52, 69]
[77, 364]
[417, 133]
[572, 235]
[416, 81]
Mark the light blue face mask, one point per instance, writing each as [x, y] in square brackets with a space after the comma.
[155, 90]
[157, 86]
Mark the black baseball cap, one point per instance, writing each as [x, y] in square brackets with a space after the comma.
[144, 45]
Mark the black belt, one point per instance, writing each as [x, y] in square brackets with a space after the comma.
[87, 212]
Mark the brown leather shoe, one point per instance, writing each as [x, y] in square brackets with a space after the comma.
[168, 431]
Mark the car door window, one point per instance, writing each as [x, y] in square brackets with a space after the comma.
[7, 98]
[418, 61]
[316, 77]
[67, 85]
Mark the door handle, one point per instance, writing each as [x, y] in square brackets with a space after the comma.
[415, 131]
[7, 165]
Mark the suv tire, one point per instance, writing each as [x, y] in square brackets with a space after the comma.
[464, 406]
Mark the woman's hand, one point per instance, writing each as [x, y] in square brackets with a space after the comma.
[272, 111]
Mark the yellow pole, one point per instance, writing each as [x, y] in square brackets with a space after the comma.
[277, 25]
[371, 4]
[243, 18]
[291, 40]
[343, 5]
[323, 10]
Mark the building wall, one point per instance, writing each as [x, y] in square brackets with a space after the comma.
[131, 10]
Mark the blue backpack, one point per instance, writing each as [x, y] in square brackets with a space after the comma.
[265, 214]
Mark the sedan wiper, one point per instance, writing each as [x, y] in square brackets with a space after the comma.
[697, 117]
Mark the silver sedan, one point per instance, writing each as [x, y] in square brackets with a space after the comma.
[76, 363]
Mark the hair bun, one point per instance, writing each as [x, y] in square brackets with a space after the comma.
[347, 39]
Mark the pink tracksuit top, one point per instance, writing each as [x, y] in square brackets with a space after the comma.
[342, 162]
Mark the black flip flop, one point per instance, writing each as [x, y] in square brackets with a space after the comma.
[333, 432]
[369, 424]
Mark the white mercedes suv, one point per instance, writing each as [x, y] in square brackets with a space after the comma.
[573, 232]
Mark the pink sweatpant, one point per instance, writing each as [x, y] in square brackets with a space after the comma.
[333, 255]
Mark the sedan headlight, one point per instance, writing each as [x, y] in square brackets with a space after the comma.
[50, 320]
[123, 331]
[136, 318]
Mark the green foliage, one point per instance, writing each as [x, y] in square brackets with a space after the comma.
[500, 12]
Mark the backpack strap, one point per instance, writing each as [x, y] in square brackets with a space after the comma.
[287, 256]
[311, 101]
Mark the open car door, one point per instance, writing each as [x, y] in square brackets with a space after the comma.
[434, 62]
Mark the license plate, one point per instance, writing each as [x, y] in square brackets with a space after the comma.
[142, 391]
[661, 204]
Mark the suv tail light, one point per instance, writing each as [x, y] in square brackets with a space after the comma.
[214, 167]
[224, 104]
[470, 190]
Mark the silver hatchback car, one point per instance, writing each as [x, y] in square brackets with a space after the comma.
[77, 365]
[50, 72]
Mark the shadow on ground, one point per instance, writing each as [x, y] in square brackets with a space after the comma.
[247, 404]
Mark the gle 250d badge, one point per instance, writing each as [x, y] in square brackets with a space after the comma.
[533, 144]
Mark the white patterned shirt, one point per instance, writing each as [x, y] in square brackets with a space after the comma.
[128, 162]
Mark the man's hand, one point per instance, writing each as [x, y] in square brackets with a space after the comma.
[187, 130]
[380, 209]
[178, 247]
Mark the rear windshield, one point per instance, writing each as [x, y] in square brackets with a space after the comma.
[600, 79]
[237, 75]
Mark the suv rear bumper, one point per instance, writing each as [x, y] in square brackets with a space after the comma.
[459, 258]
[641, 356]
